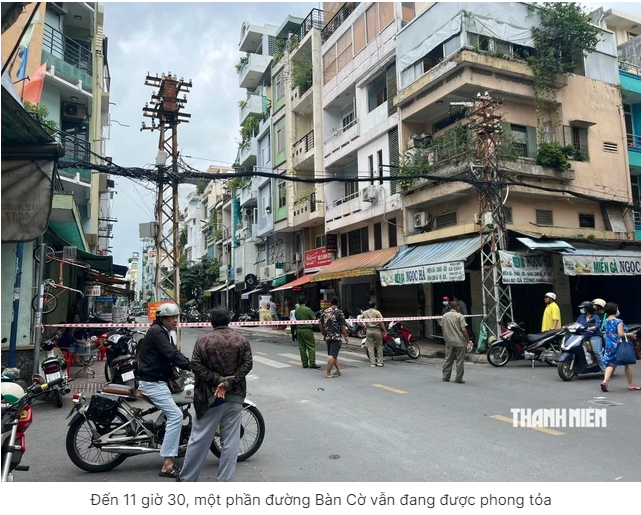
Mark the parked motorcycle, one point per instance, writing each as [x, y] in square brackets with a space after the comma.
[51, 364]
[16, 418]
[252, 316]
[515, 344]
[354, 328]
[110, 428]
[121, 365]
[578, 357]
[398, 341]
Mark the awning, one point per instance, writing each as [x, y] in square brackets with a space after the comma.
[588, 262]
[245, 296]
[549, 245]
[434, 263]
[356, 266]
[216, 288]
[296, 282]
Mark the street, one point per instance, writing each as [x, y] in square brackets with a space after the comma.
[396, 423]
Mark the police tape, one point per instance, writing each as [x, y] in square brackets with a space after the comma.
[107, 325]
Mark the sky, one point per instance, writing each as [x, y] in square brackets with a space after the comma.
[197, 41]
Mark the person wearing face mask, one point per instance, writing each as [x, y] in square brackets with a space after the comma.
[599, 310]
[592, 323]
[614, 333]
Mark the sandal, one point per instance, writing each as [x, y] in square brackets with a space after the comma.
[328, 377]
[339, 373]
[171, 473]
[604, 387]
[633, 388]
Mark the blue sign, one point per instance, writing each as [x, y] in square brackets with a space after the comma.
[106, 298]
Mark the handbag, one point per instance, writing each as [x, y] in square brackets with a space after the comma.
[175, 381]
[625, 354]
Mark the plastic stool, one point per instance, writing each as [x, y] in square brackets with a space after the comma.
[102, 352]
[69, 360]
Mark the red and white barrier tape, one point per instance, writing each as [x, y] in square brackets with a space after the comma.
[247, 324]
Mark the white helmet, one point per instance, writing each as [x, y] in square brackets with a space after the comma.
[167, 310]
[551, 295]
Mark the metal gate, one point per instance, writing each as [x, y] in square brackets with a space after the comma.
[401, 301]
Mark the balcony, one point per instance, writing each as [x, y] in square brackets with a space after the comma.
[314, 20]
[255, 105]
[247, 155]
[303, 100]
[72, 60]
[247, 234]
[304, 152]
[338, 19]
[253, 70]
[354, 209]
[335, 150]
[248, 195]
[251, 38]
[308, 210]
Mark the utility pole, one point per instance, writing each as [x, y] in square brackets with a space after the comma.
[165, 113]
[497, 297]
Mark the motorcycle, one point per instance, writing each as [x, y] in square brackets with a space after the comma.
[354, 328]
[16, 418]
[578, 357]
[398, 341]
[515, 344]
[193, 315]
[120, 365]
[51, 364]
[252, 316]
[109, 428]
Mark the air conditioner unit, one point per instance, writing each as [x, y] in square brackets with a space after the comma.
[421, 220]
[297, 257]
[72, 111]
[369, 194]
[484, 219]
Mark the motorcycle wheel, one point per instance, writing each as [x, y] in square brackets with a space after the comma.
[108, 377]
[498, 356]
[413, 351]
[564, 370]
[57, 396]
[102, 461]
[252, 433]
[360, 333]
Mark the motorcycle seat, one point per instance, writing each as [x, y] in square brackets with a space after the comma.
[537, 337]
[119, 389]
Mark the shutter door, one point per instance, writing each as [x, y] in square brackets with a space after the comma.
[398, 301]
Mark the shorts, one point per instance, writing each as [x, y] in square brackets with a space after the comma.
[333, 346]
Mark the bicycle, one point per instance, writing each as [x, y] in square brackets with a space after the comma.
[49, 300]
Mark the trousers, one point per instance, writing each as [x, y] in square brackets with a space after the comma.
[454, 355]
[228, 416]
[306, 346]
[158, 393]
[597, 347]
[375, 346]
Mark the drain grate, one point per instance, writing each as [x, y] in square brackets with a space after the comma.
[605, 402]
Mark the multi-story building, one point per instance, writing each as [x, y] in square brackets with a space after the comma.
[133, 275]
[445, 57]
[627, 31]
[192, 228]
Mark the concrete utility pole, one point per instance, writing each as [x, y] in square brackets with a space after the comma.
[497, 297]
[165, 113]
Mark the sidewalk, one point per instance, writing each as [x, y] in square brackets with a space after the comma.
[429, 348]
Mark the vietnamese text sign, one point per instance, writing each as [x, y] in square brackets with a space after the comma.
[317, 259]
[441, 273]
[599, 265]
[520, 268]
[151, 310]
[92, 290]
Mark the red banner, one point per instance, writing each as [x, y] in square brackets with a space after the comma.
[317, 259]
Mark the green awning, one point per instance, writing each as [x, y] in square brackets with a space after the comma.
[279, 281]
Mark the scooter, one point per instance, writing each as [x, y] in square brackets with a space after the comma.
[51, 364]
[398, 341]
[121, 366]
[515, 344]
[354, 328]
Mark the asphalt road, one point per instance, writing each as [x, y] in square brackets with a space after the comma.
[396, 423]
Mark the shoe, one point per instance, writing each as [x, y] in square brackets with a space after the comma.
[604, 387]
[460, 382]
[305, 366]
[446, 380]
[171, 473]
[634, 388]
[380, 365]
[314, 366]
[373, 366]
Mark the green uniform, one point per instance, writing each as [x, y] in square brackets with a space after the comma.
[305, 336]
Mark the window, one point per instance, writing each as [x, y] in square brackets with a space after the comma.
[391, 228]
[359, 34]
[282, 193]
[280, 136]
[408, 11]
[378, 236]
[377, 94]
[636, 194]
[631, 36]
[280, 87]
[351, 188]
[507, 212]
[320, 241]
[379, 155]
[446, 220]
[385, 14]
[329, 65]
[627, 115]
[344, 50]
[358, 241]
[76, 140]
[586, 220]
[544, 217]
[344, 250]
[578, 138]
[347, 116]
[519, 135]
[266, 204]
[371, 17]
[370, 163]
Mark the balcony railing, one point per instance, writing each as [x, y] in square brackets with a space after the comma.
[338, 19]
[306, 203]
[305, 144]
[634, 141]
[315, 20]
[629, 67]
[67, 49]
[343, 129]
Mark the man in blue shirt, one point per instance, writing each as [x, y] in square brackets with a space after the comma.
[592, 322]
[69, 342]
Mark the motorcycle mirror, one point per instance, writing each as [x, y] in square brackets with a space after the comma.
[4, 340]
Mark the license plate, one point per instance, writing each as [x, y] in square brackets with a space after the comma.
[53, 377]
[128, 376]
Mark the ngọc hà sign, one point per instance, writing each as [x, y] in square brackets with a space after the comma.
[441, 273]
[599, 265]
[518, 268]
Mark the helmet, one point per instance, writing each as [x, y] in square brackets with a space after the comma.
[551, 295]
[446, 298]
[598, 302]
[585, 305]
[167, 310]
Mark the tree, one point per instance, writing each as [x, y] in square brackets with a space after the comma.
[41, 114]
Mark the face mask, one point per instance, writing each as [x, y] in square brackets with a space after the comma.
[445, 303]
[582, 311]
[618, 312]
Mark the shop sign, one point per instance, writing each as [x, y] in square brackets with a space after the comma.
[331, 243]
[119, 314]
[106, 298]
[441, 273]
[598, 265]
[518, 268]
[92, 290]
[317, 259]
[222, 273]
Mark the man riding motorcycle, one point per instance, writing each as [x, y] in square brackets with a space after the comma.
[591, 321]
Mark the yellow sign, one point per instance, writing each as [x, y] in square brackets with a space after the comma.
[341, 275]
[151, 310]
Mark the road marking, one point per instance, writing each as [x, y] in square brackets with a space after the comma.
[271, 362]
[323, 360]
[262, 353]
[356, 354]
[545, 430]
[388, 388]
[295, 363]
